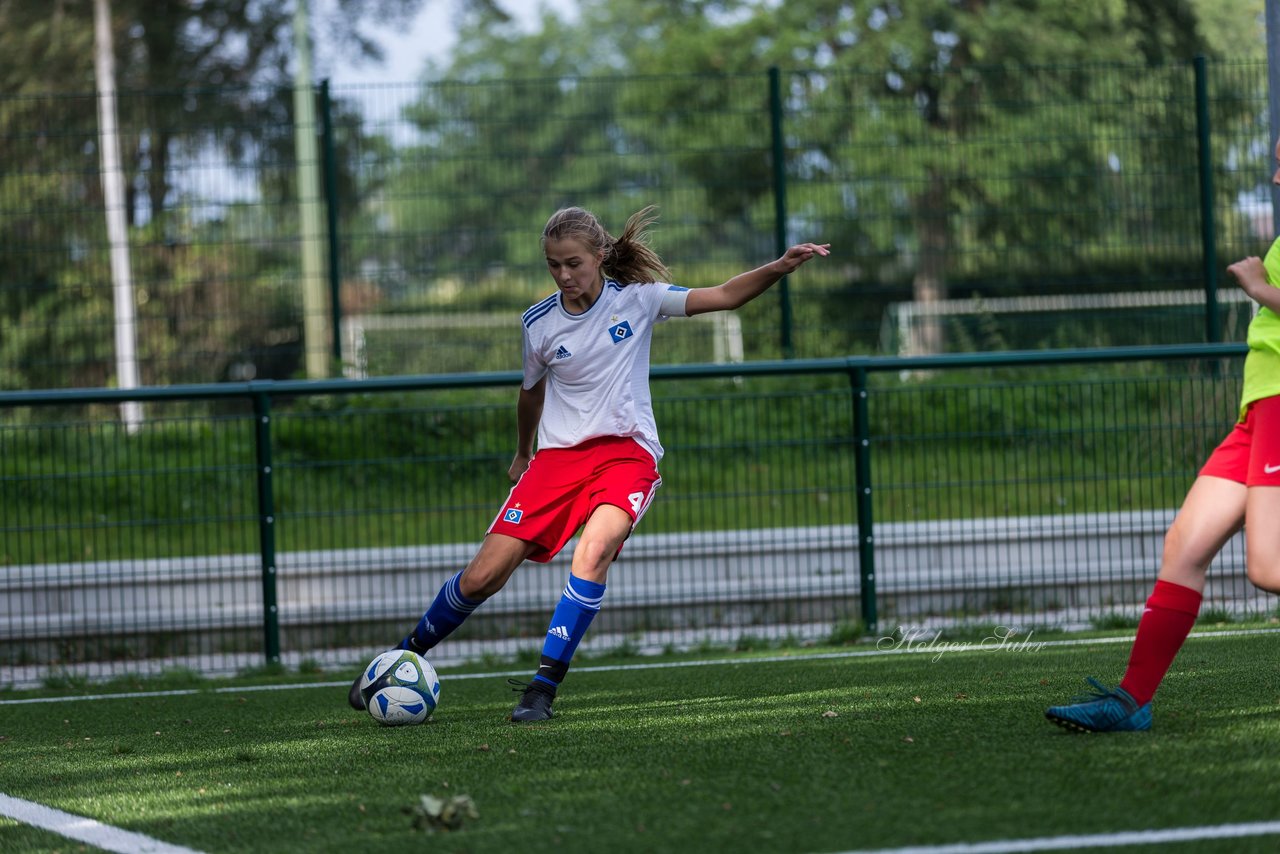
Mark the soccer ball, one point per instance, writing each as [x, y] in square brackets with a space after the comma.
[400, 687]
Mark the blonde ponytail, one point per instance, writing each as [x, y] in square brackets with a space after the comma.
[632, 259]
[628, 259]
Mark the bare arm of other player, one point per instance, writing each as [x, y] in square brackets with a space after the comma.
[528, 413]
[1252, 277]
[744, 287]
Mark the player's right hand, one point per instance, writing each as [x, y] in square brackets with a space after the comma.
[518, 467]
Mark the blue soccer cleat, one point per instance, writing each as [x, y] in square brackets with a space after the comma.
[1105, 710]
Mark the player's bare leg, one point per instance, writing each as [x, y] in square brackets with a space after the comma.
[493, 565]
[1262, 537]
[602, 537]
[1211, 514]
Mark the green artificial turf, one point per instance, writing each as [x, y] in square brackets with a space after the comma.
[792, 752]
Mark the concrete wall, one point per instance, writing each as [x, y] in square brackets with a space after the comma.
[667, 590]
[1041, 569]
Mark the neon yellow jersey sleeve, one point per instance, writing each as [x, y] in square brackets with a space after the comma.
[1262, 365]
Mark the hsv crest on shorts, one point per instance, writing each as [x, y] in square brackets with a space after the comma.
[513, 516]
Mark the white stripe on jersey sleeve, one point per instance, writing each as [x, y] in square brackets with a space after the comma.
[673, 302]
[532, 365]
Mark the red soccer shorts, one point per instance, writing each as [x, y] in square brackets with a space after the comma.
[1251, 452]
[563, 486]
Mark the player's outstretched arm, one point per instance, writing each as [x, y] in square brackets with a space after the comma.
[745, 287]
[1252, 277]
[528, 412]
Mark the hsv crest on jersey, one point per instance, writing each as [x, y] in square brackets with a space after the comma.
[620, 332]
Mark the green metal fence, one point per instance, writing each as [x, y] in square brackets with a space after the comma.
[807, 500]
[1038, 207]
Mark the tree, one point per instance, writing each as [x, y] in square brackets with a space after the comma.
[997, 139]
[200, 82]
[235, 54]
[520, 124]
[981, 140]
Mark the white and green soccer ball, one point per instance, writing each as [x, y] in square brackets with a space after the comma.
[400, 688]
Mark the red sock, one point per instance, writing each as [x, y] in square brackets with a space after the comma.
[1170, 613]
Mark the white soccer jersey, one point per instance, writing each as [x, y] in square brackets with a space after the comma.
[597, 364]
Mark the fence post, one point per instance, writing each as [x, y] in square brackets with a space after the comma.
[331, 214]
[266, 527]
[780, 203]
[1209, 249]
[862, 481]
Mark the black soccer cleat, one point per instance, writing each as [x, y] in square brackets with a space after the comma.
[534, 703]
[353, 696]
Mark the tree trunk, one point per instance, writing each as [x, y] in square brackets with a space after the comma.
[929, 286]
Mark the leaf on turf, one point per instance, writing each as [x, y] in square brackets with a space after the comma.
[434, 814]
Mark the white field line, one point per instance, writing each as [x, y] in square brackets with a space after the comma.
[85, 830]
[1096, 840]
[920, 646]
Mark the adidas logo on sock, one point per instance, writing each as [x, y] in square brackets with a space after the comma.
[562, 353]
[559, 632]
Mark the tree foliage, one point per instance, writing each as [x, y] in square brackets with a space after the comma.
[204, 91]
[934, 140]
[942, 145]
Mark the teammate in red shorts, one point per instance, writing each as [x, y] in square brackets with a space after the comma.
[585, 398]
[1238, 486]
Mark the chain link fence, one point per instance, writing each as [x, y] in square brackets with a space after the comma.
[811, 501]
[1119, 192]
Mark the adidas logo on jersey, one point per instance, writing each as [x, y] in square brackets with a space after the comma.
[559, 632]
[562, 353]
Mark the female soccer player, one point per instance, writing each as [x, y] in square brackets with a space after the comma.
[585, 395]
[1238, 486]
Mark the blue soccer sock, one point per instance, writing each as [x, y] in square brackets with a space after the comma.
[578, 606]
[446, 613]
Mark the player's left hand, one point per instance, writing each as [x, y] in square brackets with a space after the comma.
[800, 253]
[1250, 274]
